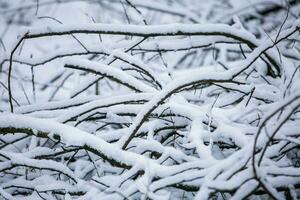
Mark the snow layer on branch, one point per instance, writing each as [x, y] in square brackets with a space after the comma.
[110, 72]
[151, 30]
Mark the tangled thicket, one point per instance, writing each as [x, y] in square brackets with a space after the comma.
[135, 99]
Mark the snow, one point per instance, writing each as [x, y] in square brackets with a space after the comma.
[149, 100]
